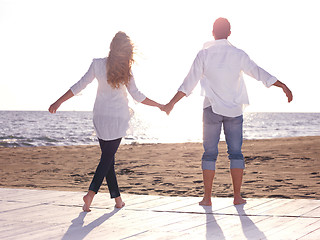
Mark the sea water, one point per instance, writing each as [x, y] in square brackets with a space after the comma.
[40, 128]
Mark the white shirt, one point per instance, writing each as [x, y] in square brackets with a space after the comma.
[219, 66]
[111, 113]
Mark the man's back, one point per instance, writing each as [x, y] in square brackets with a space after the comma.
[220, 66]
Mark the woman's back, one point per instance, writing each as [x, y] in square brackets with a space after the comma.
[109, 100]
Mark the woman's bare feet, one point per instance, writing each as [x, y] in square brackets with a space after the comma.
[119, 202]
[87, 201]
[238, 200]
[205, 202]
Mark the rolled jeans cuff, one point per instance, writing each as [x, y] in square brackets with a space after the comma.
[237, 163]
[208, 165]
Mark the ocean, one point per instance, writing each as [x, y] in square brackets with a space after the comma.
[40, 128]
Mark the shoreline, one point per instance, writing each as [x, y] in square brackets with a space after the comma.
[135, 143]
[275, 168]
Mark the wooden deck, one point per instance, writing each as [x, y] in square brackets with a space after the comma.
[43, 214]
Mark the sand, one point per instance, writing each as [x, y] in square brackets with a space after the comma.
[275, 168]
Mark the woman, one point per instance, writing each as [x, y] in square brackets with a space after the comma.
[111, 112]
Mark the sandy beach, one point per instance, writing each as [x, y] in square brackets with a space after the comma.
[277, 168]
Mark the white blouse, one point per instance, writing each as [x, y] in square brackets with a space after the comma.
[219, 66]
[111, 112]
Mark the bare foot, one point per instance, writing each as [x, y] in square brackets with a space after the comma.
[238, 200]
[87, 202]
[205, 202]
[119, 202]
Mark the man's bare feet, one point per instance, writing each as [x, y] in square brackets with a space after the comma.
[87, 201]
[205, 202]
[119, 202]
[238, 200]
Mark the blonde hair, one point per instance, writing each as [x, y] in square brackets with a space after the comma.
[119, 60]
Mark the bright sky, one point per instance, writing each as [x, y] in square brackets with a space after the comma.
[47, 45]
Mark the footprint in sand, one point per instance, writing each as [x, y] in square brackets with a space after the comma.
[251, 181]
[167, 184]
[198, 181]
[74, 175]
[187, 176]
[273, 187]
[278, 196]
[315, 175]
[249, 159]
[182, 192]
[31, 185]
[156, 181]
[125, 171]
[168, 191]
[278, 180]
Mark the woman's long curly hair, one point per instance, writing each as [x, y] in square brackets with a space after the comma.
[120, 60]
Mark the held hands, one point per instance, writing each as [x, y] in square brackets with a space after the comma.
[167, 108]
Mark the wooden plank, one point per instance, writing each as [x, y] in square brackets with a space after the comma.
[158, 234]
[306, 226]
[295, 207]
[217, 204]
[178, 204]
[32, 196]
[227, 227]
[40, 214]
[296, 228]
[194, 223]
[7, 206]
[311, 235]
[133, 200]
[265, 207]
[313, 213]
[151, 204]
[251, 228]
[19, 230]
[124, 227]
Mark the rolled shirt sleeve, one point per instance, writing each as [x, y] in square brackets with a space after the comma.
[253, 70]
[194, 75]
[84, 81]
[134, 91]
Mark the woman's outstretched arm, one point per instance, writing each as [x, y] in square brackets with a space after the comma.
[152, 103]
[54, 107]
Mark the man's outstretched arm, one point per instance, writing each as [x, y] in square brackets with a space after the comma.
[286, 90]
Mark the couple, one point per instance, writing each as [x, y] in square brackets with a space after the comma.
[218, 67]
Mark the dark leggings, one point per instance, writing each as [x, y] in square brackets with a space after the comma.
[105, 168]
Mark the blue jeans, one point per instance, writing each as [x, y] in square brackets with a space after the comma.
[232, 127]
[105, 168]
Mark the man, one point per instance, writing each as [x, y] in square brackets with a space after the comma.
[219, 67]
